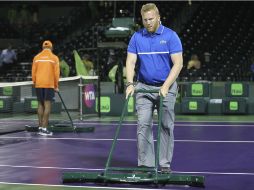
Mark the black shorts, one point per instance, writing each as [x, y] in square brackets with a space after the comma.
[45, 94]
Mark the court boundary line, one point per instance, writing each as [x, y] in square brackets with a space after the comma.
[134, 120]
[72, 186]
[110, 139]
[180, 124]
[101, 169]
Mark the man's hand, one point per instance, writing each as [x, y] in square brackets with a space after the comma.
[130, 90]
[163, 91]
[56, 89]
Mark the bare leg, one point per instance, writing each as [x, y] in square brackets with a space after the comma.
[40, 112]
[47, 105]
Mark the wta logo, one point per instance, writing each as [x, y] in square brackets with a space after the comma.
[89, 95]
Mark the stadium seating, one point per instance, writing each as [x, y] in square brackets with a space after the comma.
[6, 104]
[236, 100]
[227, 34]
[215, 28]
[195, 98]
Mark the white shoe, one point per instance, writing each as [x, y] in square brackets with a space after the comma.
[45, 132]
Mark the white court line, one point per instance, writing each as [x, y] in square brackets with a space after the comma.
[212, 125]
[71, 186]
[18, 120]
[212, 141]
[134, 140]
[215, 173]
[180, 123]
[155, 124]
[176, 124]
[101, 169]
[49, 167]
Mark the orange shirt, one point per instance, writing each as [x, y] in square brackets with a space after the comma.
[46, 70]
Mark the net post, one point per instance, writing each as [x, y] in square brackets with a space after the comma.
[80, 99]
[98, 81]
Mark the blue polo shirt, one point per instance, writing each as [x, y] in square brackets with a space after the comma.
[153, 52]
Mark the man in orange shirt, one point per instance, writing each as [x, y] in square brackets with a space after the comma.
[45, 76]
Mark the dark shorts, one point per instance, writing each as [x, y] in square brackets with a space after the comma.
[45, 94]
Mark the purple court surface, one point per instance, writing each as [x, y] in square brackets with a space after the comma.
[223, 152]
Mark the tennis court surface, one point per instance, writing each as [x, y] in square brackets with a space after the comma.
[219, 148]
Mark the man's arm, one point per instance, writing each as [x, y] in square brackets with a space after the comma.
[177, 60]
[130, 72]
[189, 65]
[57, 74]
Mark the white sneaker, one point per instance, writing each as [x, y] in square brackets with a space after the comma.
[45, 132]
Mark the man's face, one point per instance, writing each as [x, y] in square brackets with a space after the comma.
[151, 21]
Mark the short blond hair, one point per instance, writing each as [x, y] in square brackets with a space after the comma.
[148, 7]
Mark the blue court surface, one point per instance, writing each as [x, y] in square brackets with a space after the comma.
[222, 151]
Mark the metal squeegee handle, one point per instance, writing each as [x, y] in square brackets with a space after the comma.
[65, 108]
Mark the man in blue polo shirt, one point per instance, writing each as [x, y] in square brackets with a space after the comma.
[158, 52]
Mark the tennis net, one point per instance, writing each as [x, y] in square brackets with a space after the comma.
[18, 103]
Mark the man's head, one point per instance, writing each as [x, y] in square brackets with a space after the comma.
[47, 44]
[150, 17]
[194, 57]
